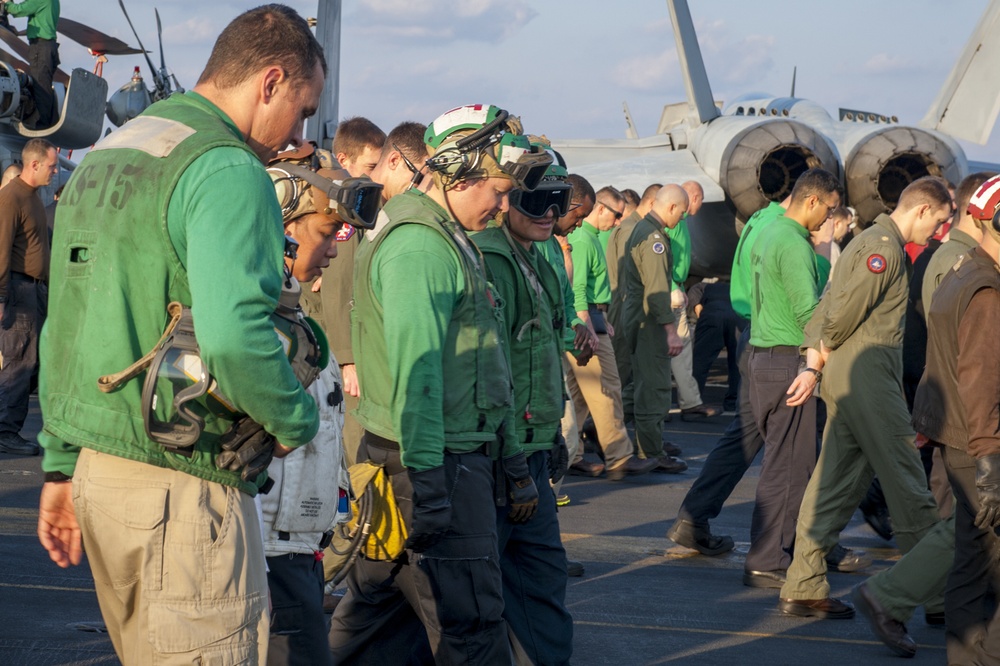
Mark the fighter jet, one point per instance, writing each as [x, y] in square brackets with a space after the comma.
[750, 152]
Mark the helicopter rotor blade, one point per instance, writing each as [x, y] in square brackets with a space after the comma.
[156, 76]
[159, 36]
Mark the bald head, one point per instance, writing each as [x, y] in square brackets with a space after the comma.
[670, 203]
[10, 173]
[696, 194]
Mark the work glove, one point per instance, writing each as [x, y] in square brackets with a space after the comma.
[521, 488]
[431, 508]
[558, 459]
[246, 448]
[988, 485]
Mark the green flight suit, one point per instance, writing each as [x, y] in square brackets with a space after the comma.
[647, 310]
[868, 429]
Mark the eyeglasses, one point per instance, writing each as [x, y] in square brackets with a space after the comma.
[618, 213]
[417, 175]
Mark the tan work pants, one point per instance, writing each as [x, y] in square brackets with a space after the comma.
[682, 365]
[178, 563]
[596, 388]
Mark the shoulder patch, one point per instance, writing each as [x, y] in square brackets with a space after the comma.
[876, 263]
[346, 233]
[658, 248]
[657, 236]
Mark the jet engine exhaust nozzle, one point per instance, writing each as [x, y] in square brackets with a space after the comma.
[762, 163]
[897, 156]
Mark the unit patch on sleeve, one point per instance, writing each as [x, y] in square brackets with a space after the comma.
[876, 263]
[658, 248]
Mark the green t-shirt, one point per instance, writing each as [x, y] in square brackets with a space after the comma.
[783, 292]
[680, 248]
[43, 16]
[604, 237]
[742, 273]
[590, 268]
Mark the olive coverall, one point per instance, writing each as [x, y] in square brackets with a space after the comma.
[646, 281]
[868, 428]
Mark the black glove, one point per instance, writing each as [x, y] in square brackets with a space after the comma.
[431, 508]
[558, 458]
[247, 448]
[522, 490]
[988, 485]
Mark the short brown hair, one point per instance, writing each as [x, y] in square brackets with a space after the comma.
[631, 197]
[968, 187]
[355, 134]
[268, 35]
[609, 192]
[931, 190]
[36, 149]
[408, 138]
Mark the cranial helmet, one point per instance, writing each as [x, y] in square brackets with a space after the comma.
[482, 141]
[309, 180]
[985, 203]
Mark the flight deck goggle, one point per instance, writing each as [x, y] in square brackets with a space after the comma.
[492, 156]
[536, 204]
[357, 200]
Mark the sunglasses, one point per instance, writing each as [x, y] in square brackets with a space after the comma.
[618, 213]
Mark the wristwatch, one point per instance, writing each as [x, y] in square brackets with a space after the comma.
[819, 375]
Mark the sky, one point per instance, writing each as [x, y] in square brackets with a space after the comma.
[566, 66]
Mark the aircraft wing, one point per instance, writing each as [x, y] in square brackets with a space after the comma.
[635, 164]
[969, 102]
[94, 39]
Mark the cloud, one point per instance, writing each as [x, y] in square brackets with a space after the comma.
[192, 31]
[646, 73]
[490, 21]
[883, 63]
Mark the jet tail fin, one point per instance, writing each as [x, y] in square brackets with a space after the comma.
[699, 92]
[969, 102]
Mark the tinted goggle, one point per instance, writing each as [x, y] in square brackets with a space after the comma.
[537, 203]
[529, 169]
[357, 200]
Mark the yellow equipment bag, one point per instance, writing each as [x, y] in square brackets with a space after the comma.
[387, 533]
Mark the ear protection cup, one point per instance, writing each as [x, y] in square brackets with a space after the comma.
[996, 221]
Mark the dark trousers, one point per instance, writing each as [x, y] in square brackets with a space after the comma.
[23, 314]
[454, 588]
[790, 453]
[731, 457]
[298, 625]
[713, 333]
[43, 57]
[533, 562]
[973, 634]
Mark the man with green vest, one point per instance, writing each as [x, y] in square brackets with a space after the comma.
[436, 397]
[648, 321]
[43, 56]
[174, 477]
[532, 557]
